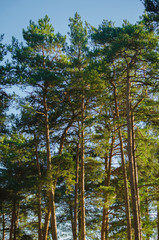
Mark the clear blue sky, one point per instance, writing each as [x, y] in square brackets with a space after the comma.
[16, 14]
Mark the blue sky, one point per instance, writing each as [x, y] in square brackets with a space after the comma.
[16, 14]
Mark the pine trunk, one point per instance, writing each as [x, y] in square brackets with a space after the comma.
[53, 214]
[3, 237]
[127, 204]
[147, 216]
[51, 188]
[136, 172]
[12, 233]
[60, 152]
[16, 218]
[83, 226]
[76, 196]
[158, 219]
[105, 218]
[46, 224]
[39, 214]
[71, 214]
[64, 134]
[11, 227]
[158, 212]
[38, 193]
[105, 223]
[133, 183]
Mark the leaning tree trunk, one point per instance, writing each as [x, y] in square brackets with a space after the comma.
[127, 204]
[46, 224]
[62, 140]
[51, 188]
[133, 183]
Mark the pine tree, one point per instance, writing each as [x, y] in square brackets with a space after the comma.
[78, 49]
[39, 66]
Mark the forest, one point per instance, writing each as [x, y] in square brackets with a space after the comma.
[79, 158]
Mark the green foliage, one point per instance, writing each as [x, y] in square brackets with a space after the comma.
[78, 35]
[63, 168]
[151, 5]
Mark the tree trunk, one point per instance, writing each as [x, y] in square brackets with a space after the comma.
[16, 219]
[39, 214]
[11, 227]
[158, 211]
[83, 226]
[71, 215]
[51, 188]
[38, 192]
[53, 213]
[79, 215]
[3, 223]
[76, 196]
[158, 219]
[65, 133]
[127, 204]
[60, 152]
[136, 172]
[46, 224]
[13, 220]
[133, 183]
[105, 219]
[147, 216]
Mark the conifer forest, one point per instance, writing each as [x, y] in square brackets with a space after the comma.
[79, 140]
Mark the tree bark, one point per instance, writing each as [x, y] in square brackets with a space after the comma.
[76, 196]
[46, 224]
[158, 211]
[127, 204]
[13, 221]
[65, 133]
[71, 215]
[105, 219]
[147, 216]
[158, 219]
[136, 172]
[3, 223]
[83, 225]
[38, 192]
[39, 214]
[53, 213]
[133, 183]
[74, 224]
[51, 188]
